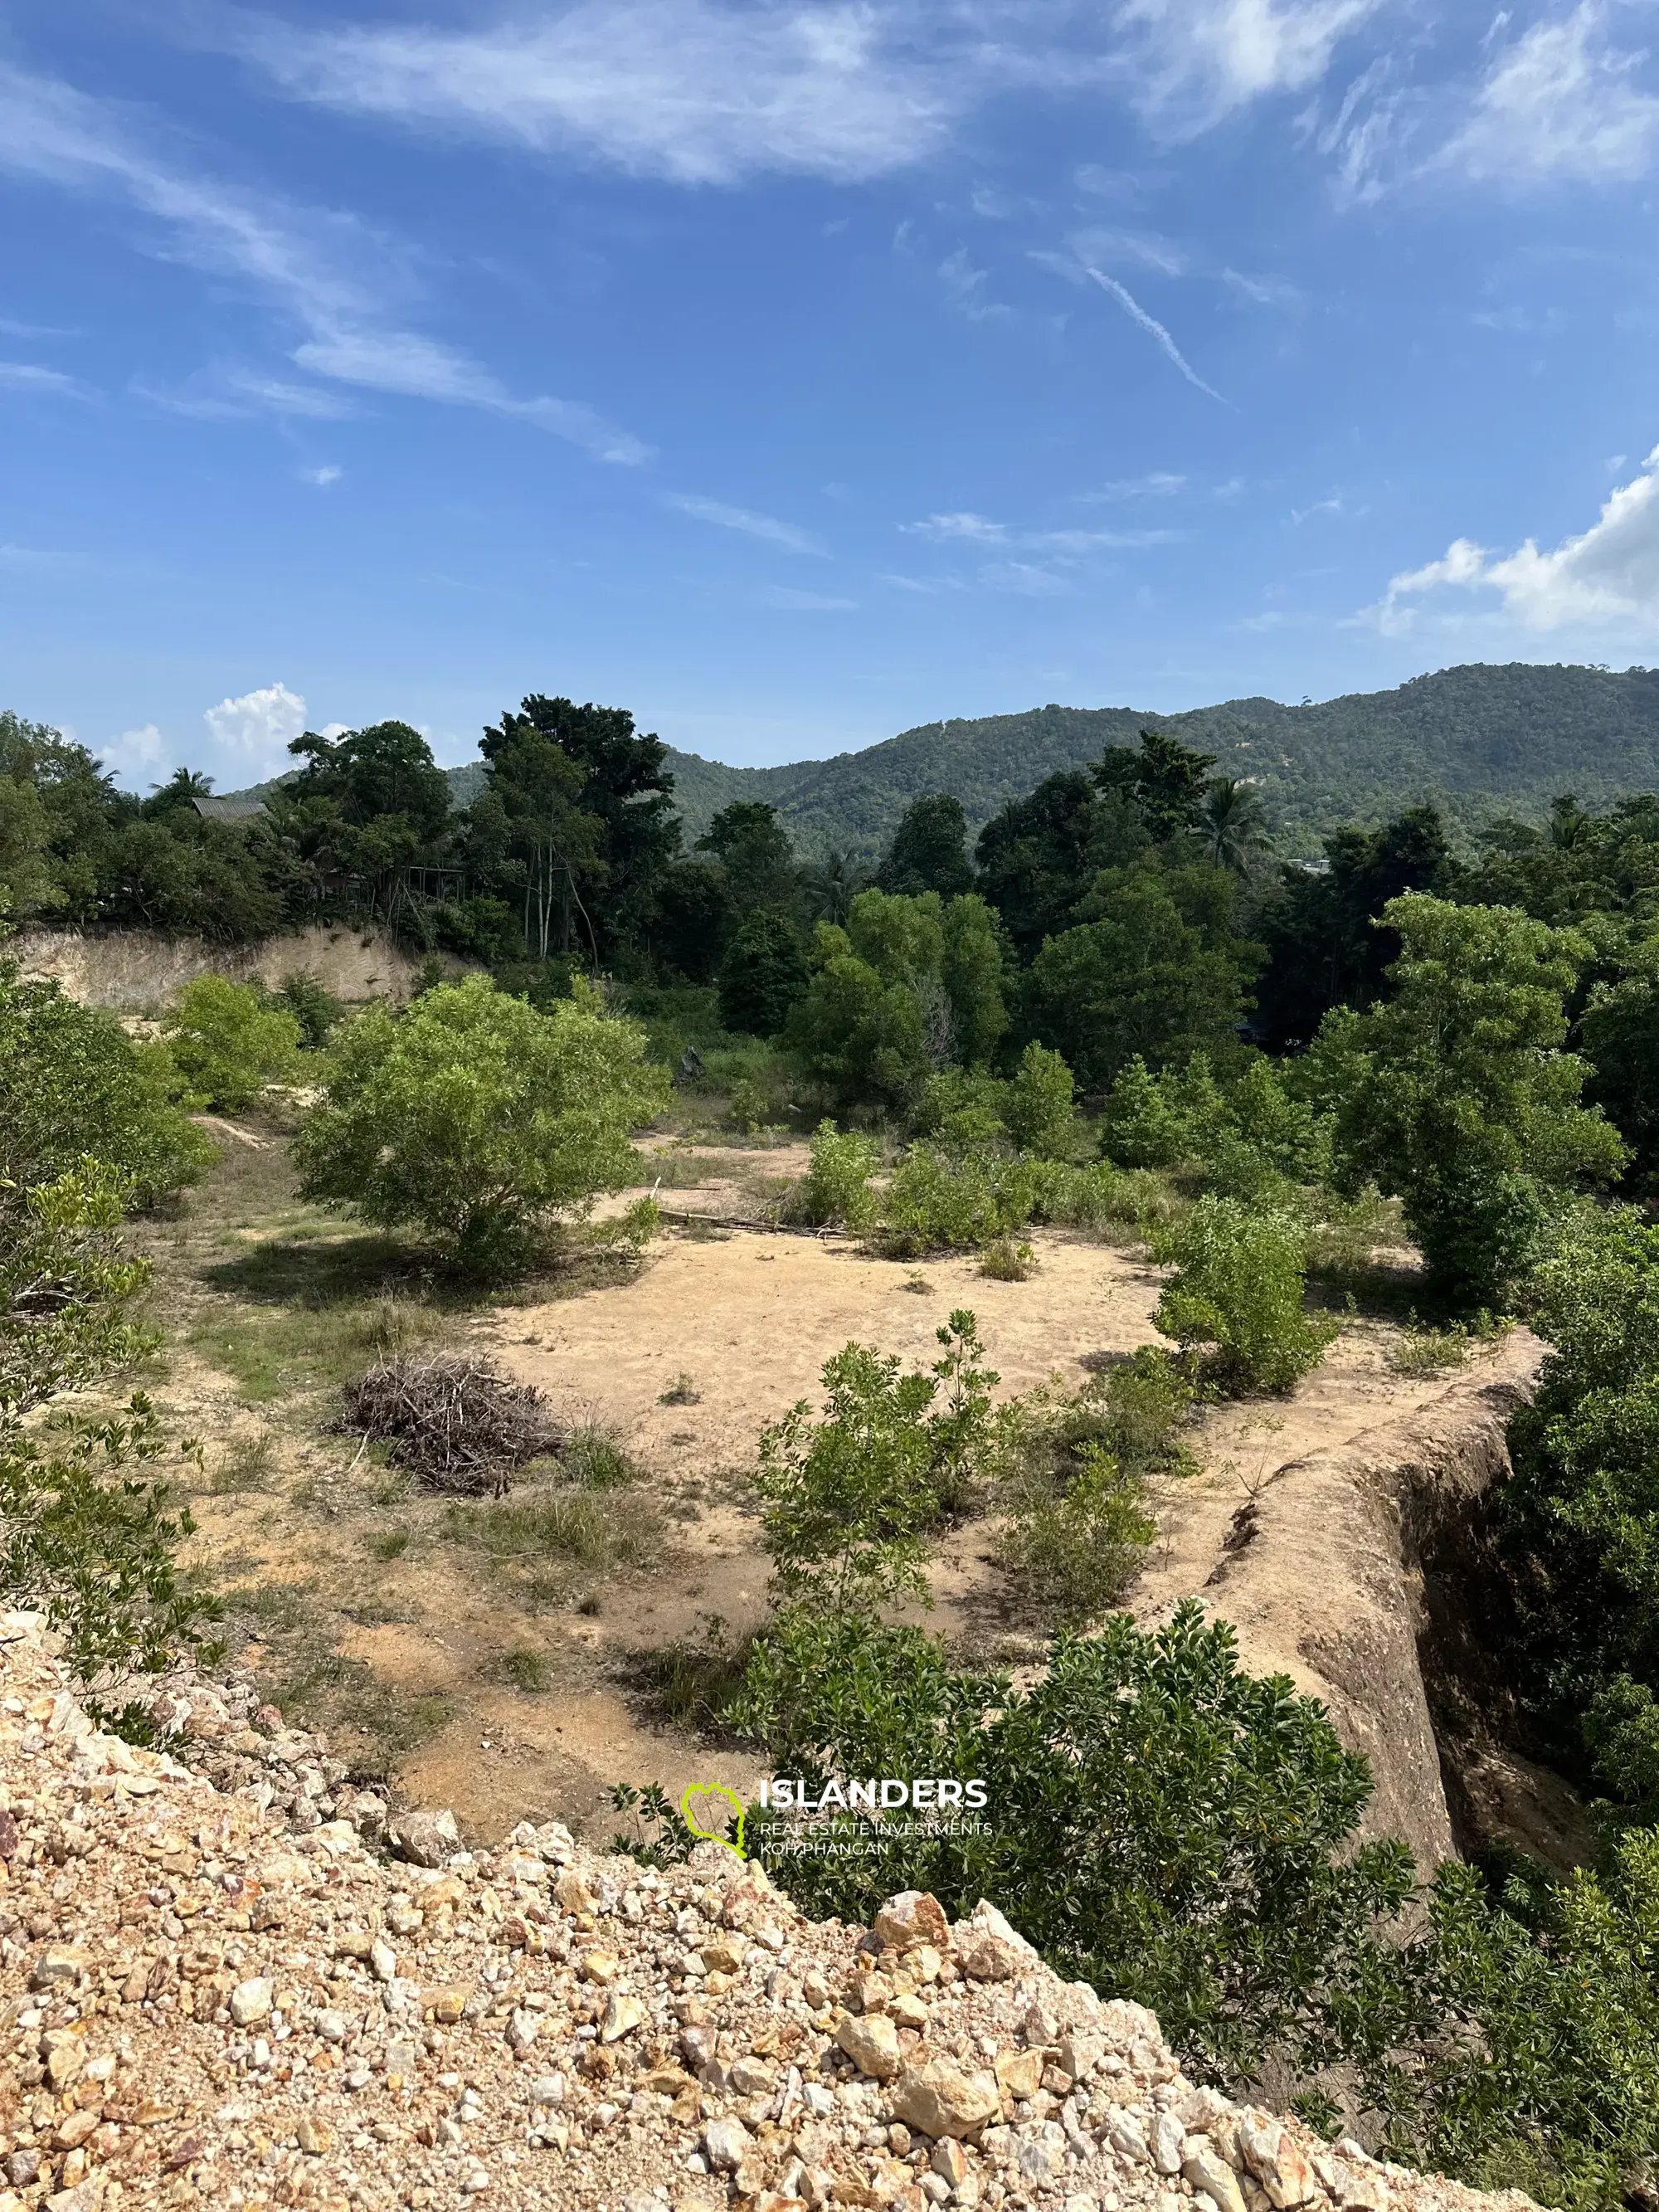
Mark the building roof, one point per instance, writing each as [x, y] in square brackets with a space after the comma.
[230, 809]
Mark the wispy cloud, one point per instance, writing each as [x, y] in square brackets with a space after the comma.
[807, 602]
[766, 527]
[1195, 61]
[1157, 484]
[1144, 247]
[323, 476]
[29, 376]
[965, 287]
[321, 269]
[687, 90]
[1560, 102]
[976, 529]
[1605, 576]
[1263, 291]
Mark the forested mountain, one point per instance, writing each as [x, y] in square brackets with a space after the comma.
[1479, 740]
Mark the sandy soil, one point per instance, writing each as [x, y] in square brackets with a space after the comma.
[730, 1327]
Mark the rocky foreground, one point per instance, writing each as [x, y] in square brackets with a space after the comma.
[206, 1998]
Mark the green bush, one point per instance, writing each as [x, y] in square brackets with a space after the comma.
[315, 1009]
[478, 1119]
[762, 974]
[1166, 1827]
[1039, 1109]
[835, 1192]
[1454, 1094]
[72, 1085]
[1238, 1294]
[850, 1497]
[227, 1042]
[1075, 1550]
[938, 1201]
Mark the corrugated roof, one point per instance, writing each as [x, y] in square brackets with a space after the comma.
[230, 809]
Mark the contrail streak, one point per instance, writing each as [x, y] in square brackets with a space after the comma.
[1137, 313]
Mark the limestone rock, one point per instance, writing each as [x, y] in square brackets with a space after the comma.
[424, 1837]
[938, 2098]
[913, 1916]
[870, 2041]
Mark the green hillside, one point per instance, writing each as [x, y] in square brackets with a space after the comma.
[1479, 740]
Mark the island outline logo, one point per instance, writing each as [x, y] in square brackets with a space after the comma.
[699, 1794]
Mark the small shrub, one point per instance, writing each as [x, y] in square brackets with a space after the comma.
[1004, 1261]
[1426, 1351]
[1239, 1292]
[389, 1543]
[480, 1119]
[228, 1042]
[682, 1391]
[316, 1010]
[836, 1191]
[1038, 1108]
[938, 1202]
[1076, 1551]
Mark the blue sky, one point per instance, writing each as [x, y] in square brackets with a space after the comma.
[794, 373]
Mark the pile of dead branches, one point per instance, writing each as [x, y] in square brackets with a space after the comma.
[457, 1424]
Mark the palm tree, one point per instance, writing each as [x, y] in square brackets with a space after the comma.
[831, 884]
[1232, 824]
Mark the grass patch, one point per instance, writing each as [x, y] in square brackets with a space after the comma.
[691, 1685]
[248, 1464]
[682, 1391]
[581, 1528]
[523, 1669]
[282, 1351]
[593, 1459]
[1423, 1350]
[272, 1609]
[388, 1543]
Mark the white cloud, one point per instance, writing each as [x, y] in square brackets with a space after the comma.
[1200, 60]
[1158, 483]
[1560, 102]
[964, 287]
[1027, 579]
[1608, 575]
[25, 376]
[687, 90]
[259, 725]
[136, 752]
[809, 602]
[323, 476]
[978, 529]
[324, 270]
[766, 527]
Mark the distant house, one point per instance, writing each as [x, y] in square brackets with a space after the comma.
[230, 809]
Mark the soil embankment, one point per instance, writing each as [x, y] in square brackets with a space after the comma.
[131, 970]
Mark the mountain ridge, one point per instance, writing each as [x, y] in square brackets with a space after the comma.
[1478, 739]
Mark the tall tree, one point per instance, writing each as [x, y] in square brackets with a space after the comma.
[1232, 824]
[756, 854]
[1165, 781]
[628, 794]
[1324, 948]
[1041, 854]
[929, 851]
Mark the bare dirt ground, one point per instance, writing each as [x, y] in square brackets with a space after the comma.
[482, 1667]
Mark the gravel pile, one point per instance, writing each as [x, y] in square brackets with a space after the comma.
[199, 2004]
